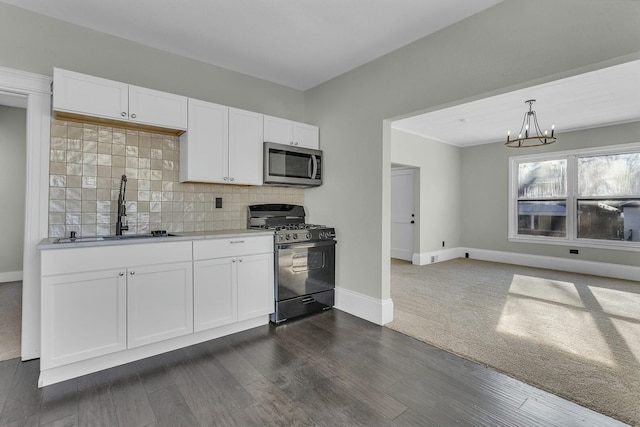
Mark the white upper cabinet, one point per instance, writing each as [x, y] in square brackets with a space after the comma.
[288, 132]
[86, 95]
[153, 107]
[245, 147]
[89, 95]
[221, 145]
[203, 148]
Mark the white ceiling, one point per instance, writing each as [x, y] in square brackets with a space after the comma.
[296, 43]
[599, 98]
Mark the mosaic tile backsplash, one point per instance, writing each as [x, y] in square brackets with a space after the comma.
[88, 160]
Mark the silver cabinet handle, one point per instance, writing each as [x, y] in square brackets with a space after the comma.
[121, 274]
[296, 143]
[232, 179]
[233, 260]
[133, 116]
[236, 241]
[123, 114]
[240, 260]
[225, 178]
[131, 273]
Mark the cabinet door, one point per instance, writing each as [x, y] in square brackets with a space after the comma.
[214, 293]
[89, 95]
[245, 147]
[83, 316]
[255, 286]
[278, 130]
[307, 136]
[153, 107]
[159, 303]
[203, 148]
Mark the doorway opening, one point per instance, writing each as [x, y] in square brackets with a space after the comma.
[13, 128]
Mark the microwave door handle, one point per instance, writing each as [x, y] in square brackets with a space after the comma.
[314, 162]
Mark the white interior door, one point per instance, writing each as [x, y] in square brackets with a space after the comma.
[402, 214]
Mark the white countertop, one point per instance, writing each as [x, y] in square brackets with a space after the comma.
[92, 241]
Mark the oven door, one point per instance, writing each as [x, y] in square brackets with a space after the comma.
[304, 268]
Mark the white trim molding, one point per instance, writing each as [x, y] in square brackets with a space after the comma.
[37, 88]
[371, 309]
[437, 256]
[618, 271]
[10, 276]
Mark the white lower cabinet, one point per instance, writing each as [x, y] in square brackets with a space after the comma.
[107, 305]
[214, 293]
[255, 286]
[159, 303]
[84, 316]
[232, 289]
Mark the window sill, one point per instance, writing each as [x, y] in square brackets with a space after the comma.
[582, 243]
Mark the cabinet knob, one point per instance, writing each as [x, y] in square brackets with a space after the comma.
[121, 274]
[240, 260]
[123, 114]
[225, 178]
[233, 260]
[133, 116]
[231, 179]
[295, 143]
[131, 273]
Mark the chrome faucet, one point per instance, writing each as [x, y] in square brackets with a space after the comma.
[122, 207]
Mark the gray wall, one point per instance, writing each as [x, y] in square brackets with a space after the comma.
[485, 171]
[13, 138]
[495, 51]
[440, 205]
[33, 42]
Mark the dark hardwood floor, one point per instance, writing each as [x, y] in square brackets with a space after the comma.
[330, 369]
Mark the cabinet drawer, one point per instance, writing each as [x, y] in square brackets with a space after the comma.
[229, 247]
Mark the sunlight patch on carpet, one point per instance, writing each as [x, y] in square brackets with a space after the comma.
[539, 311]
[616, 302]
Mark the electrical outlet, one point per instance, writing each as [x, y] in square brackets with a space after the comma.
[434, 258]
[466, 254]
[443, 243]
[573, 251]
[218, 202]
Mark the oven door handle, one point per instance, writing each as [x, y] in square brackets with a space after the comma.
[303, 245]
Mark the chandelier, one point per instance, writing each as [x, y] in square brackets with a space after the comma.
[530, 134]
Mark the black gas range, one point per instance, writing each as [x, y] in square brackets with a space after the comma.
[304, 259]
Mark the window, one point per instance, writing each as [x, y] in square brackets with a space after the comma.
[589, 197]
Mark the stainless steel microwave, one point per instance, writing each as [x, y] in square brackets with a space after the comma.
[292, 166]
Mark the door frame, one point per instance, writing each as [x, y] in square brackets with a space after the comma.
[37, 89]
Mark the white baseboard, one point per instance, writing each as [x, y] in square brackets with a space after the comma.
[374, 310]
[437, 256]
[10, 276]
[617, 271]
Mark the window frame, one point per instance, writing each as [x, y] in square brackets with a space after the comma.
[571, 238]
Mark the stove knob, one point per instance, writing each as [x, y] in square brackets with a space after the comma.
[288, 236]
[295, 236]
[308, 236]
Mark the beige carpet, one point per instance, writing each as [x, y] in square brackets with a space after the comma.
[10, 319]
[577, 336]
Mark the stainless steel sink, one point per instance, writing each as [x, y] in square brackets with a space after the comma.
[78, 239]
[109, 238]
